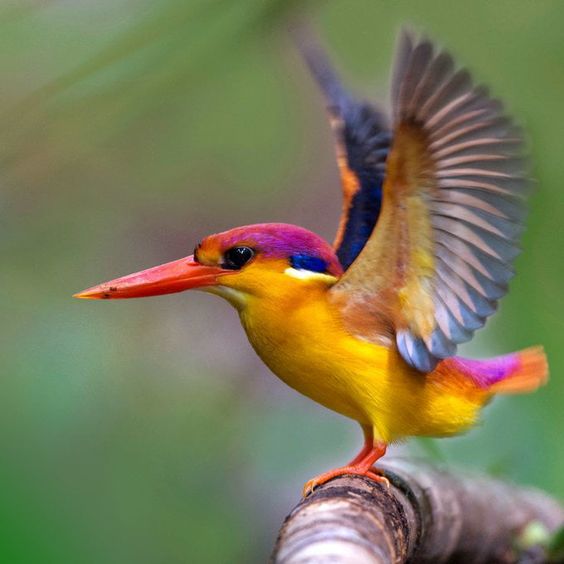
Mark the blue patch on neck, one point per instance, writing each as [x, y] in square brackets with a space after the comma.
[307, 262]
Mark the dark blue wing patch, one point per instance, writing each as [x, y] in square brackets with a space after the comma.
[366, 144]
[363, 139]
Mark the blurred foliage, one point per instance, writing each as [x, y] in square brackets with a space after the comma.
[147, 431]
[555, 546]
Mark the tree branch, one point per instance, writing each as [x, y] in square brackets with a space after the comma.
[427, 515]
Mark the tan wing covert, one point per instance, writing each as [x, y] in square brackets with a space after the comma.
[441, 254]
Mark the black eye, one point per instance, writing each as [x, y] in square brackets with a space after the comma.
[237, 257]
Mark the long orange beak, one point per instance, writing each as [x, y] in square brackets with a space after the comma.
[175, 276]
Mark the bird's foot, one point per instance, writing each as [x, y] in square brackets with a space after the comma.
[359, 470]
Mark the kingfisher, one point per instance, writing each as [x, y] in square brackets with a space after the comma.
[433, 208]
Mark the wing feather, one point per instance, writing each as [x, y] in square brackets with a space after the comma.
[452, 214]
[362, 145]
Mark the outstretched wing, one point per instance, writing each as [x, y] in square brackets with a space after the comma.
[453, 207]
[362, 144]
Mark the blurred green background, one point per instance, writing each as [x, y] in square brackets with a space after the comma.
[146, 431]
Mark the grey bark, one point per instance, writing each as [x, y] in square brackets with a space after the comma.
[428, 515]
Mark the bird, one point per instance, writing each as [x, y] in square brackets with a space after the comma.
[434, 203]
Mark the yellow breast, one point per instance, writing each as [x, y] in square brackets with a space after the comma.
[306, 346]
[304, 342]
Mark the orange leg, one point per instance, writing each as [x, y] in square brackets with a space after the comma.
[361, 465]
[368, 445]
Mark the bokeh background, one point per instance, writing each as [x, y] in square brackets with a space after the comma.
[146, 431]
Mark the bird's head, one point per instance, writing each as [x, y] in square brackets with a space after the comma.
[264, 261]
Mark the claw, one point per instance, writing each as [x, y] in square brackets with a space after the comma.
[310, 485]
[360, 466]
[378, 478]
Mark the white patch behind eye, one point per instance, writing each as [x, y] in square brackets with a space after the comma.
[301, 274]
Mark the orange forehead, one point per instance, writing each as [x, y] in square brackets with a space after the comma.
[208, 251]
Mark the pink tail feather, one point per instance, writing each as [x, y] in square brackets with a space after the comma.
[514, 373]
